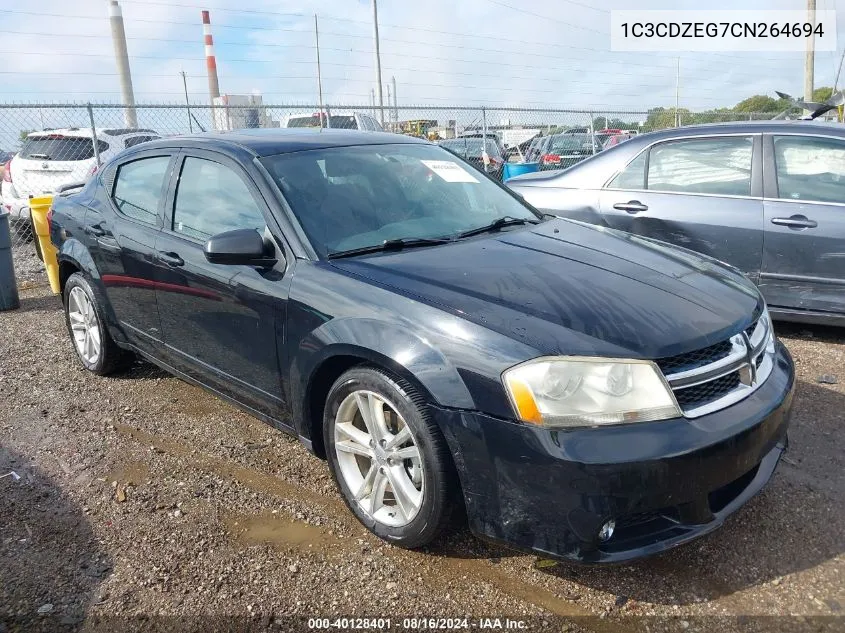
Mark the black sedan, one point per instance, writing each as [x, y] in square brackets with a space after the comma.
[767, 197]
[573, 390]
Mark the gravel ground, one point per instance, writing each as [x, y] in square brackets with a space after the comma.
[149, 504]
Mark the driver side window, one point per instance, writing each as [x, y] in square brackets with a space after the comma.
[210, 199]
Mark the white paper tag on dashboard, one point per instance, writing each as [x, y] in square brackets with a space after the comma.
[449, 171]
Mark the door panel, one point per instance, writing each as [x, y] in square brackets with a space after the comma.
[703, 194]
[221, 323]
[804, 245]
[728, 229]
[122, 230]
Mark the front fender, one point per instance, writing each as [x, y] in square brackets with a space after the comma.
[388, 345]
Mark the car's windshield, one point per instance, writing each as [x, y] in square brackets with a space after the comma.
[57, 147]
[355, 197]
[471, 147]
[565, 142]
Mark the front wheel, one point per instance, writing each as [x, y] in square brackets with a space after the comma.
[388, 458]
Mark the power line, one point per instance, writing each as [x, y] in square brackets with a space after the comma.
[546, 17]
[357, 36]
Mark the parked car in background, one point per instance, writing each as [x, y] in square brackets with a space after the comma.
[616, 139]
[471, 149]
[768, 197]
[5, 158]
[581, 393]
[536, 149]
[52, 158]
[334, 120]
[491, 137]
[564, 150]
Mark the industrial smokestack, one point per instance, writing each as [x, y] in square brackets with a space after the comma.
[210, 59]
[121, 56]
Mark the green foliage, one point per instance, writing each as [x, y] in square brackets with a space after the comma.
[761, 103]
[822, 94]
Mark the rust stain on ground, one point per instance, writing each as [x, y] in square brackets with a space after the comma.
[284, 534]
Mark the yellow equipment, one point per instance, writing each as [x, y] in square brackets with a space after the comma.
[39, 208]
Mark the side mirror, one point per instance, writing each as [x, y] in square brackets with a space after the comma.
[241, 247]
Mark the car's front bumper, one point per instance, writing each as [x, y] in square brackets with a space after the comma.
[663, 483]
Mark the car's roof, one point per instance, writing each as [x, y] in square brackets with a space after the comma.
[270, 141]
[757, 127]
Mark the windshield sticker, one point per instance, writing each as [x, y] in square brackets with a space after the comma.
[449, 171]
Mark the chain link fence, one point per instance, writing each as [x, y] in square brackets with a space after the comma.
[44, 148]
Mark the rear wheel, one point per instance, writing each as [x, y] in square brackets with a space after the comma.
[35, 240]
[388, 457]
[92, 342]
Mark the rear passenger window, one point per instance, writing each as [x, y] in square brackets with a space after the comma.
[720, 166]
[810, 168]
[211, 199]
[138, 186]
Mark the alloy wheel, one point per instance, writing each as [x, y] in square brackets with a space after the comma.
[84, 325]
[379, 459]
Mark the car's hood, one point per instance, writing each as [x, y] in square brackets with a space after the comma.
[570, 288]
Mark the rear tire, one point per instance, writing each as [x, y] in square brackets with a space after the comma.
[35, 240]
[388, 458]
[84, 316]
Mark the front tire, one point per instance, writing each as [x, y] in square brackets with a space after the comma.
[91, 340]
[388, 458]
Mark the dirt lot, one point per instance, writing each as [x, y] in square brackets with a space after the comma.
[146, 503]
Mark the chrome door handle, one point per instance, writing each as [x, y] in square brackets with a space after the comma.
[633, 206]
[95, 229]
[171, 259]
[796, 222]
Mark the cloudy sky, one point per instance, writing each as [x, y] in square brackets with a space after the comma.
[441, 52]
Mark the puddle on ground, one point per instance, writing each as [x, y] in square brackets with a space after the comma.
[134, 473]
[280, 532]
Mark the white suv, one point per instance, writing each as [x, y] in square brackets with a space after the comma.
[54, 158]
[335, 120]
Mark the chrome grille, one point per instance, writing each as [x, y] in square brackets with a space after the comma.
[717, 376]
[708, 391]
[700, 357]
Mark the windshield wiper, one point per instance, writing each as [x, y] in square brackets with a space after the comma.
[495, 225]
[392, 245]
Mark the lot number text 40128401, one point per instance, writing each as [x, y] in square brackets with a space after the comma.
[417, 624]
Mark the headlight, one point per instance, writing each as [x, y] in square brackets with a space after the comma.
[571, 391]
[770, 330]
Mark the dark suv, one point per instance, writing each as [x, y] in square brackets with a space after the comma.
[577, 391]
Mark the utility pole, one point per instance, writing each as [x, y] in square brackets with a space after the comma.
[395, 104]
[678, 94]
[378, 62]
[810, 55]
[389, 115]
[121, 56]
[319, 74]
[187, 102]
